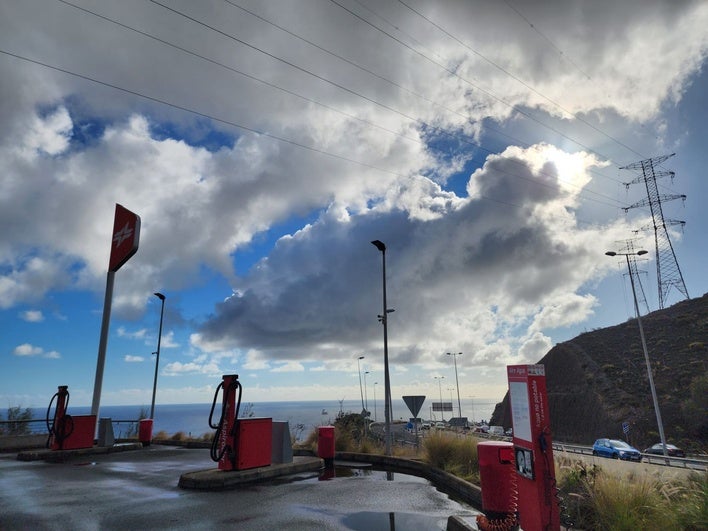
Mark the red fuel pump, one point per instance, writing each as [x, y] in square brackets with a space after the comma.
[62, 425]
[533, 448]
[238, 443]
[68, 432]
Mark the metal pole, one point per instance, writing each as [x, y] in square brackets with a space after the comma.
[102, 343]
[646, 359]
[361, 390]
[439, 379]
[157, 360]
[457, 382]
[375, 408]
[384, 320]
[387, 378]
[366, 394]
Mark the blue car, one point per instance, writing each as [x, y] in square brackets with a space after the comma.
[615, 449]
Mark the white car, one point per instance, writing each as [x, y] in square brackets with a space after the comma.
[496, 430]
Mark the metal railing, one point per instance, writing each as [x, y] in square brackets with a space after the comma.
[12, 428]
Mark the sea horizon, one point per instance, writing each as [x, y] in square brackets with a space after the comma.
[303, 416]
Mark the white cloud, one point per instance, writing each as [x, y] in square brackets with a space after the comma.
[133, 359]
[138, 334]
[32, 316]
[28, 350]
[177, 368]
[489, 272]
[290, 366]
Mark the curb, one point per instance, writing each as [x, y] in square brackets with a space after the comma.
[58, 456]
[215, 479]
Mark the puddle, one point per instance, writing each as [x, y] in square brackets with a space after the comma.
[375, 521]
[341, 472]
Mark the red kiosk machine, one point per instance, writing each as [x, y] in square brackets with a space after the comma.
[533, 449]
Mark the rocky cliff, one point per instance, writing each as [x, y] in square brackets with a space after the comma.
[598, 380]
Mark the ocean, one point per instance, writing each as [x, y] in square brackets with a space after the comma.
[303, 416]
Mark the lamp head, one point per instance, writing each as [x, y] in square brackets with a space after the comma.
[379, 245]
[159, 296]
[611, 253]
[640, 253]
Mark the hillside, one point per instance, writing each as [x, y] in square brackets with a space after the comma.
[598, 380]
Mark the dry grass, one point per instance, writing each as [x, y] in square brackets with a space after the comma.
[595, 498]
[454, 454]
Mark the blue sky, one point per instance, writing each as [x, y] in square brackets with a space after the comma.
[266, 145]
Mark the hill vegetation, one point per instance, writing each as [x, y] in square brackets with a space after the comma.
[598, 380]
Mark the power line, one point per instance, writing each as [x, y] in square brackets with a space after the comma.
[215, 118]
[522, 82]
[547, 39]
[486, 92]
[227, 122]
[338, 85]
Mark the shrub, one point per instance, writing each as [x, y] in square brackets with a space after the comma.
[457, 455]
[16, 418]
[691, 507]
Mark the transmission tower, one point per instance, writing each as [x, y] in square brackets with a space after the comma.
[668, 272]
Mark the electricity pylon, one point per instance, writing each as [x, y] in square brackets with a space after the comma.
[668, 272]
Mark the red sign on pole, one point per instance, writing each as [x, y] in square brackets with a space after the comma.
[126, 237]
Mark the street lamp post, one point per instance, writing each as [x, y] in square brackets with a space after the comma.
[361, 389]
[440, 379]
[366, 395]
[457, 382]
[157, 354]
[644, 347]
[383, 318]
[375, 410]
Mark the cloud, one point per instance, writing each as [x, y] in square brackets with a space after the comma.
[28, 350]
[484, 270]
[138, 334]
[290, 366]
[133, 359]
[177, 368]
[318, 291]
[32, 316]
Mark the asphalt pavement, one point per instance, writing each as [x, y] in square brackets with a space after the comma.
[139, 490]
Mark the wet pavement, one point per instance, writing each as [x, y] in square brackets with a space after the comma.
[138, 490]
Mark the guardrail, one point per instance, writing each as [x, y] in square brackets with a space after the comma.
[679, 462]
[39, 426]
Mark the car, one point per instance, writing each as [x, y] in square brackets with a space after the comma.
[440, 425]
[616, 449]
[672, 450]
[425, 426]
[496, 430]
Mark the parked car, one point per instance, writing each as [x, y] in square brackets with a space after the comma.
[496, 430]
[615, 449]
[672, 450]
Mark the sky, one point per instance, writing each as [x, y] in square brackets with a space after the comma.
[265, 145]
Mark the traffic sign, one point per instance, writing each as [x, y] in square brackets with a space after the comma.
[414, 403]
